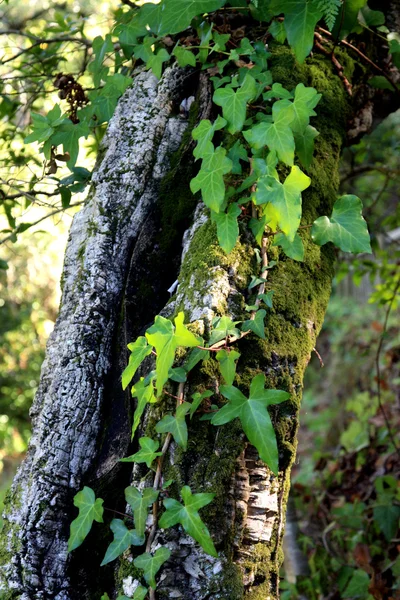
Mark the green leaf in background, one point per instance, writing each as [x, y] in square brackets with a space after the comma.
[346, 228]
[176, 16]
[305, 145]
[101, 47]
[294, 249]
[254, 416]
[203, 134]
[140, 593]
[198, 399]
[123, 539]
[145, 395]
[140, 502]
[278, 32]
[257, 227]
[176, 425]
[358, 585]
[68, 134]
[234, 103]
[256, 325]
[210, 179]
[227, 227]
[156, 60]
[139, 350]
[224, 327]
[152, 564]
[387, 518]
[90, 509]
[347, 17]
[147, 453]
[194, 358]
[44, 126]
[188, 516]
[184, 57]
[166, 339]
[227, 364]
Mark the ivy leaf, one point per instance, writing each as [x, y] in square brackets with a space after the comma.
[300, 20]
[305, 100]
[278, 135]
[256, 325]
[147, 453]
[285, 199]
[198, 399]
[294, 249]
[176, 425]
[236, 154]
[267, 298]
[224, 327]
[305, 145]
[145, 395]
[254, 416]
[195, 357]
[387, 517]
[234, 104]
[277, 30]
[188, 516]
[140, 503]
[257, 227]
[346, 228]
[178, 374]
[90, 509]
[346, 19]
[203, 134]
[101, 47]
[156, 61]
[44, 126]
[227, 364]
[210, 179]
[358, 585]
[139, 350]
[278, 91]
[166, 339]
[140, 593]
[176, 15]
[123, 539]
[152, 564]
[227, 227]
[184, 57]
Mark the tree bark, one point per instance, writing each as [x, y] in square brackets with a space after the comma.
[124, 252]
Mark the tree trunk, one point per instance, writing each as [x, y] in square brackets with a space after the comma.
[124, 252]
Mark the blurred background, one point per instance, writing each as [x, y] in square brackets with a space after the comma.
[342, 537]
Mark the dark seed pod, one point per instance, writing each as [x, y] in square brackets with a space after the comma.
[62, 94]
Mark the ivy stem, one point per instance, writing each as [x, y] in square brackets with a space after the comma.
[117, 512]
[157, 480]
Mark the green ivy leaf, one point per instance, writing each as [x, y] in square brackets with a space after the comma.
[346, 228]
[278, 91]
[347, 17]
[267, 298]
[123, 539]
[305, 145]
[210, 179]
[68, 134]
[176, 425]
[305, 100]
[278, 136]
[198, 399]
[166, 339]
[234, 103]
[140, 593]
[227, 227]
[257, 227]
[195, 357]
[278, 32]
[101, 47]
[227, 364]
[140, 502]
[236, 154]
[152, 564]
[176, 15]
[147, 453]
[301, 17]
[256, 325]
[184, 57]
[285, 199]
[90, 509]
[254, 416]
[155, 62]
[293, 249]
[188, 516]
[145, 395]
[203, 134]
[224, 327]
[358, 585]
[139, 350]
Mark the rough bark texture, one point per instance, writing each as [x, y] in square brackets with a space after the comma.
[123, 253]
